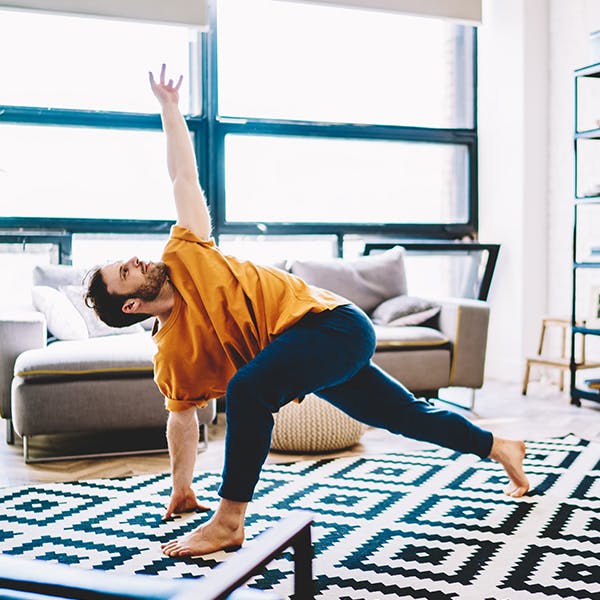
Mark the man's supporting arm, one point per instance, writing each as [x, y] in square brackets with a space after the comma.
[182, 438]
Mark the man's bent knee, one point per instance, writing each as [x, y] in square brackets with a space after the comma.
[246, 391]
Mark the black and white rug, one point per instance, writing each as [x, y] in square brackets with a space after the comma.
[421, 524]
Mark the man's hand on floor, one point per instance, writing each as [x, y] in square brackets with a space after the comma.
[183, 501]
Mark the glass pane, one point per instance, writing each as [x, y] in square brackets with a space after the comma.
[322, 180]
[439, 274]
[588, 168]
[588, 100]
[95, 64]
[275, 250]
[586, 302]
[588, 233]
[286, 60]
[91, 249]
[83, 173]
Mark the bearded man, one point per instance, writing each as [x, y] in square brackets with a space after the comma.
[263, 338]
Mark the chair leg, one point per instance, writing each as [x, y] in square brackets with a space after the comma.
[526, 378]
[561, 381]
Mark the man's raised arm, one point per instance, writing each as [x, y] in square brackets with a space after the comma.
[190, 202]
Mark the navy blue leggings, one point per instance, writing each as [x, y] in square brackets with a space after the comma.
[328, 353]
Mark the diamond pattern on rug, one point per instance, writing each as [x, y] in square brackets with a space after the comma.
[429, 524]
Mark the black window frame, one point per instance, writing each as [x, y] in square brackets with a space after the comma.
[209, 132]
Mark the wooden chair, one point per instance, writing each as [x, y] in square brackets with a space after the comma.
[561, 362]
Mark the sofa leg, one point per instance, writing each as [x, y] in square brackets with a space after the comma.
[203, 445]
[26, 449]
[10, 432]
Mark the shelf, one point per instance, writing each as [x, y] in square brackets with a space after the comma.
[587, 192]
[585, 394]
[589, 71]
[588, 134]
[586, 330]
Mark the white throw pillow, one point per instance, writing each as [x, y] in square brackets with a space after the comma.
[95, 327]
[62, 319]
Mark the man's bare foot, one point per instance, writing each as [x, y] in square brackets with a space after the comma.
[510, 454]
[207, 538]
[225, 529]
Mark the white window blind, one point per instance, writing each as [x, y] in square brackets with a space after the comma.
[468, 11]
[192, 13]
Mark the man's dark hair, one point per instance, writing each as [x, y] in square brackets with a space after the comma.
[106, 305]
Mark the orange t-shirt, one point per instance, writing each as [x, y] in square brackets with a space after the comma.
[226, 311]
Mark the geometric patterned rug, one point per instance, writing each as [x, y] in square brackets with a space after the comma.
[429, 524]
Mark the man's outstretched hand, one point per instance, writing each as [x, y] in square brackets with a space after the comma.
[182, 502]
[166, 93]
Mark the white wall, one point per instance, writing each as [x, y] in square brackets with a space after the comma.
[513, 160]
[528, 52]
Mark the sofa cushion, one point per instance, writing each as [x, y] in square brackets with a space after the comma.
[62, 319]
[57, 275]
[409, 338]
[95, 327]
[111, 356]
[405, 310]
[67, 315]
[367, 281]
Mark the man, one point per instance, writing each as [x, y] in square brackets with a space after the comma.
[262, 337]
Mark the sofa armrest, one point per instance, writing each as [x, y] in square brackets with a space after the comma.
[19, 331]
[465, 323]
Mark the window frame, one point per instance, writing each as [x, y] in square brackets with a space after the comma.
[209, 131]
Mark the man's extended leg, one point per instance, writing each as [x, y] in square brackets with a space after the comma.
[375, 398]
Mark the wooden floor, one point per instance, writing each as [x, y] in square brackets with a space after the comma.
[544, 412]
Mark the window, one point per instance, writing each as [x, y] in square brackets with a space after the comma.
[85, 63]
[339, 120]
[81, 146]
[307, 120]
[281, 60]
[74, 172]
[336, 182]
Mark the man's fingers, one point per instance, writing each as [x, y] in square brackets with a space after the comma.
[162, 73]
[179, 83]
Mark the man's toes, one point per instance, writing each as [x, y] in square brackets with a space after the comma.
[171, 549]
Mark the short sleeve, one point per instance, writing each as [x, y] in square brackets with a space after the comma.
[179, 405]
[187, 235]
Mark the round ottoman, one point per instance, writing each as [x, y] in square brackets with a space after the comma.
[314, 425]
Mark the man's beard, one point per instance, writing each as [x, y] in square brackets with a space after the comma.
[155, 279]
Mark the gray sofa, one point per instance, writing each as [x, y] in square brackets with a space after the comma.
[104, 382]
[94, 381]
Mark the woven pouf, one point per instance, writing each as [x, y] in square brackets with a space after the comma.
[314, 426]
